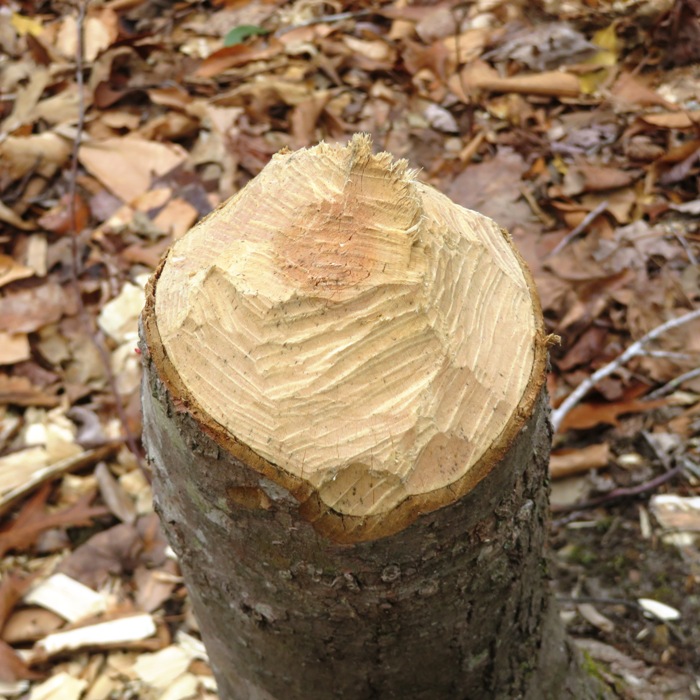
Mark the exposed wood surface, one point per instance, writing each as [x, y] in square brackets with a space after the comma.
[373, 344]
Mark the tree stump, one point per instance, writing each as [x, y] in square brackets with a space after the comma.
[345, 413]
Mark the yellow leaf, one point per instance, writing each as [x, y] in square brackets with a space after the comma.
[607, 39]
[591, 81]
[26, 25]
[560, 165]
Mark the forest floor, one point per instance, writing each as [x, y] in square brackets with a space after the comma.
[576, 125]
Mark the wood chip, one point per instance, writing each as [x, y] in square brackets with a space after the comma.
[661, 611]
[120, 631]
[161, 669]
[62, 686]
[67, 597]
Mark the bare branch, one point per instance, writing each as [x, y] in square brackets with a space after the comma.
[633, 350]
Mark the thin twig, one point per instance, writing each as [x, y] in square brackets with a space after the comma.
[674, 384]
[75, 247]
[667, 354]
[587, 221]
[618, 494]
[633, 350]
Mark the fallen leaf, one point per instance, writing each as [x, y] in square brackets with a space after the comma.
[11, 271]
[114, 495]
[587, 347]
[14, 348]
[232, 56]
[118, 549]
[41, 153]
[544, 47]
[127, 166]
[12, 667]
[12, 588]
[28, 624]
[588, 415]
[27, 310]
[674, 120]
[154, 586]
[630, 90]
[59, 219]
[33, 519]
[569, 462]
[493, 189]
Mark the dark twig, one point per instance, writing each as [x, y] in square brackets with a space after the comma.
[75, 242]
[623, 492]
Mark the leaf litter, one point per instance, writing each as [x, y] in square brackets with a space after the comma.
[575, 125]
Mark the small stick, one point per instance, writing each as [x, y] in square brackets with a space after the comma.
[624, 492]
[588, 219]
[72, 192]
[674, 384]
[633, 350]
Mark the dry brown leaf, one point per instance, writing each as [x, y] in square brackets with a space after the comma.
[493, 188]
[232, 56]
[33, 519]
[113, 551]
[12, 588]
[28, 310]
[12, 668]
[113, 494]
[10, 217]
[674, 120]
[41, 153]
[127, 166]
[27, 97]
[565, 463]
[629, 89]
[155, 586]
[14, 347]
[600, 177]
[100, 29]
[586, 348]
[176, 218]
[59, 219]
[29, 624]
[417, 57]
[11, 271]
[588, 415]
[466, 47]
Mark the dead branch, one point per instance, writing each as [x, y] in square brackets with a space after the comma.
[633, 350]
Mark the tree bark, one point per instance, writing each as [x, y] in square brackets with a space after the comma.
[345, 413]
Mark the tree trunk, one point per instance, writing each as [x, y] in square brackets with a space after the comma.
[345, 413]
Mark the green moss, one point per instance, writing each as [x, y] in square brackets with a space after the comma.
[581, 555]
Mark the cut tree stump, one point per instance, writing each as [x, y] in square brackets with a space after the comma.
[345, 413]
